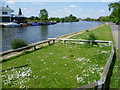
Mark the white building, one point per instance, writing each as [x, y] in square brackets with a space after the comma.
[6, 14]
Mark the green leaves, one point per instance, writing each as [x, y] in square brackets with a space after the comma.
[18, 43]
[20, 12]
[115, 15]
[43, 14]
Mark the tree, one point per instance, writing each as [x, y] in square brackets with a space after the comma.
[7, 6]
[115, 15]
[103, 18]
[70, 18]
[54, 19]
[43, 14]
[20, 12]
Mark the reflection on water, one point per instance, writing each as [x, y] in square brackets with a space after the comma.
[34, 34]
[44, 32]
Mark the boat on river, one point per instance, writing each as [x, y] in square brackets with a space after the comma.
[35, 24]
[46, 23]
[11, 24]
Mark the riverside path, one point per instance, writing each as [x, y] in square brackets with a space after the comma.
[116, 33]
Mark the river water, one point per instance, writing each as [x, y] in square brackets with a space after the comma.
[32, 34]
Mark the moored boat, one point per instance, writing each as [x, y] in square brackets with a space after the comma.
[11, 24]
[35, 24]
[46, 23]
[25, 24]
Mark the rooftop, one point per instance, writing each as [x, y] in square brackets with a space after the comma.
[6, 9]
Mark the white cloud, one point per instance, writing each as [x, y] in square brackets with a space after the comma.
[73, 6]
[79, 9]
[110, 0]
[101, 11]
[10, 2]
[66, 10]
[26, 11]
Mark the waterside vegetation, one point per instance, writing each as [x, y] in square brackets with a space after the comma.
[70, 18]
[43, 17]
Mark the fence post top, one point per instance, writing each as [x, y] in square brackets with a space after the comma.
[100, 82]
[51, 38]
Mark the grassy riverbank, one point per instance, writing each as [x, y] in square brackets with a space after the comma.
[104, 33]
[58, 65]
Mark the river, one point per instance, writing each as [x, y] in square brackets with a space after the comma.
[32, 34]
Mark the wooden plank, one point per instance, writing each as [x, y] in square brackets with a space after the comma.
[107, 66]
[100, 41]
[92, 85]
[26, 47]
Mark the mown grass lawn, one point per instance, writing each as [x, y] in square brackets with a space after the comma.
[58, 65]
[104, 33]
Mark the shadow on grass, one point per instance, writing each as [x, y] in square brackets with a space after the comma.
[24, 53]
[16, 67]
[110, 72]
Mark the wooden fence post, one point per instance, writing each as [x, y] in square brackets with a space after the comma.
[48, 42]
[54, 41]
[35, 48]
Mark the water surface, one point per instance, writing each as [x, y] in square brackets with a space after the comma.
[34, 34]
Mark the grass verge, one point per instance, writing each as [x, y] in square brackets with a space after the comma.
[59, 66]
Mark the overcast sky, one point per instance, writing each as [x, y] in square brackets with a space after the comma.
[60, 8]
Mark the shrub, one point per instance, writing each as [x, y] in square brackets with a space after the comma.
[92, 39]
[18, 43]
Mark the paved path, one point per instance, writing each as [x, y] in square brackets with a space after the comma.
[116, 32]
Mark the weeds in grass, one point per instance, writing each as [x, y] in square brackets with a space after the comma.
[92, 38]
[18, 43]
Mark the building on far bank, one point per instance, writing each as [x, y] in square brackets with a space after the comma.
[6, 14]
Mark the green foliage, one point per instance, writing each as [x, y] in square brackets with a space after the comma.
[103, 18]
[54, 19]
[18, 43]
[69, 18]
[43, 15]
[20, 12]
[115, 15]
[89, 19]
[44, 18]
[102, 33]
[92, 38]
[57, 63]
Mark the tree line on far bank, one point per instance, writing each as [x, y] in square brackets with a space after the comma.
[43, 17]
[113, 17]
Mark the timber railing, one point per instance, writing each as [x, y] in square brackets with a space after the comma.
[27, 47]
[100, 83]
